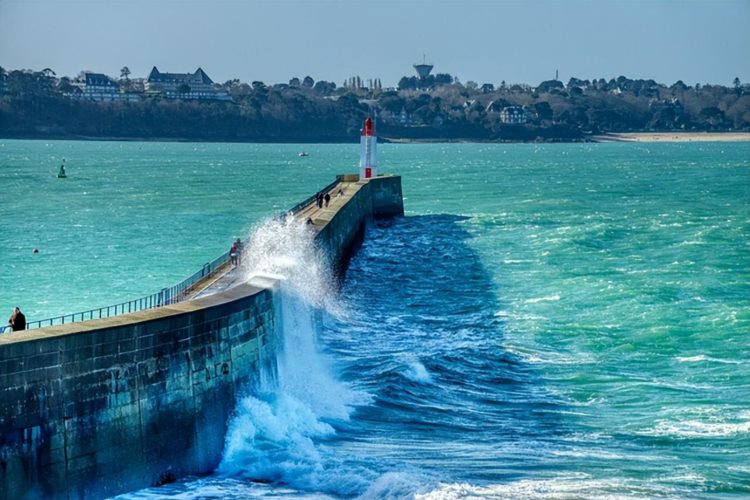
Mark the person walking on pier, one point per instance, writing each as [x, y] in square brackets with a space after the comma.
[328, 199]
[319, 200]
[233, 252]
[239, 251]
[17, 320]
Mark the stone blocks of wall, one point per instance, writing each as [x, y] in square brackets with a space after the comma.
[128, 401]
[386, 195]
[374, 198]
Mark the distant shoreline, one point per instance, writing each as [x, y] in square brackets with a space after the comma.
[600, 138]
[81, 138]
[673, 137]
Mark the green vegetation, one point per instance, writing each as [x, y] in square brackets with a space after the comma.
[39, 104]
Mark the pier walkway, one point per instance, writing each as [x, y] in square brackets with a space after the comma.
[229, 276]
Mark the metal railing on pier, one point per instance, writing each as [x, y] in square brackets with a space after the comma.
[164, 297]
[161, 298]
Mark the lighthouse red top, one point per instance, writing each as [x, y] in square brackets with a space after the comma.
[367, 130]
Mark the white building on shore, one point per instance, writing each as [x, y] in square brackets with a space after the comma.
[513, 115]
[100, 87]
[184, 86]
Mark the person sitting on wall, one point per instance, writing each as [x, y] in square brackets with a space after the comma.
[17, 320]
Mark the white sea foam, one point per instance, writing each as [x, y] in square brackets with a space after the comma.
[285, 246]
[416, 371]
[697, 429]
[393, 485]
[548, 298]
[549, 357]
[743, 469]
[273, 439]
[527, 317]
[702, 357]
[573, 486]
[584, 453]
[276, 431]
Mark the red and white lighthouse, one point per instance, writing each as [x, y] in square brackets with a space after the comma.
[368, 166]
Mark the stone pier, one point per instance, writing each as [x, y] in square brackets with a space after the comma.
[101, 407]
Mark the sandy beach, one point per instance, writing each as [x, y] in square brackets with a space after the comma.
[674, 137]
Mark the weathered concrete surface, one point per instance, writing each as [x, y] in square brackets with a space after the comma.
[100, 407]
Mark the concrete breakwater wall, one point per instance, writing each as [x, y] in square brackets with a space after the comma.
[379, 198]
[101, 407]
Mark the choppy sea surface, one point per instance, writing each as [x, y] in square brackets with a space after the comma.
[547, 321]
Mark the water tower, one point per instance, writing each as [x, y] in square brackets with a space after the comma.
[423, 70]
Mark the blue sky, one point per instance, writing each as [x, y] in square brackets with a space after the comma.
[697, 41]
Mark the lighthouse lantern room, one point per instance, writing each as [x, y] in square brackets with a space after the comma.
[368, 167]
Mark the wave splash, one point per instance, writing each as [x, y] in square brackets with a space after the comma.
[416, 371]
[277, 434]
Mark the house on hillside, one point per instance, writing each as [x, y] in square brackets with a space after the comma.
[183, 85]
[97, 87]
[513, 115]
[496, 105]
[666, 113]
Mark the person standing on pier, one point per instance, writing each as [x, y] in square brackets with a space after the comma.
[17, 320]
[328, 199]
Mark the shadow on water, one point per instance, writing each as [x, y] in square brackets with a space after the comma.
[423, 340]
[447, 404]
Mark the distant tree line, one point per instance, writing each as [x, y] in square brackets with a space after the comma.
[38, 104]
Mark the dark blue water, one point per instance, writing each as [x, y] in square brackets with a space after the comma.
[428, 346]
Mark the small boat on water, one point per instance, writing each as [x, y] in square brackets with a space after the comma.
[303, 153]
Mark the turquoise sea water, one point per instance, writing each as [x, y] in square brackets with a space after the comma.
[565, 321]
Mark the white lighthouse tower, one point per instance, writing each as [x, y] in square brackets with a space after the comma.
[368, 166]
